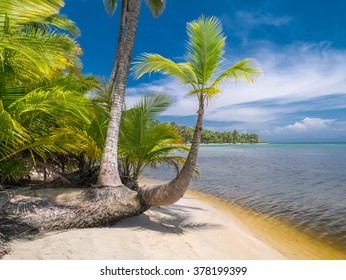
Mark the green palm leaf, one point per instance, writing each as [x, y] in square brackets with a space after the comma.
[245, 70]
[12, 133]
[152, 63]
[30, 45]
[156, 6]
[151, 105]
[47, 52]
[56, 105]
[44, 12]
[110, 6]
[205, 47]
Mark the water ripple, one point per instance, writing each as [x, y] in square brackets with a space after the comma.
[304, 185]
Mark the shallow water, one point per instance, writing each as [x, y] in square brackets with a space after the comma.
[303, 185]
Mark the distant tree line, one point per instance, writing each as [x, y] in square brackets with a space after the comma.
[209, 136]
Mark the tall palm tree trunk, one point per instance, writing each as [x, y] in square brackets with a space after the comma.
[113, 76]
[109, 174]
[171, 192]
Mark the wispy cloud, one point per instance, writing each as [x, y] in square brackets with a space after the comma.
[261, 18]
[243, 23]
[298, 79]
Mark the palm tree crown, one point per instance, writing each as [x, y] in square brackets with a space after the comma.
[156, 6]
[203, 68]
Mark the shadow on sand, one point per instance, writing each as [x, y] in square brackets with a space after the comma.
[174, 219]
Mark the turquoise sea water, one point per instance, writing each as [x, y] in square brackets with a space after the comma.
[303, 185]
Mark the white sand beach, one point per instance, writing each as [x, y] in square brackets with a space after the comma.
[189, 229]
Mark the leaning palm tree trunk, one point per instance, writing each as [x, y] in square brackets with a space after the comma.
[171, 192]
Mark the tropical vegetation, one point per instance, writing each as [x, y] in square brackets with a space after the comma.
[220, 137]
[53, 118]
[48, 123]
[43, 105]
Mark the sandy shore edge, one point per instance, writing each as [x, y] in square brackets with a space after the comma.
[190, 229]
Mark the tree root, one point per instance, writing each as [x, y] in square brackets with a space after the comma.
[101, 206]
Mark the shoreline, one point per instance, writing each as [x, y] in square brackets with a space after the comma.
[292, 243]
[199, 226]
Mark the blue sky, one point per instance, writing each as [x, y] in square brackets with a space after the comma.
[301, 46]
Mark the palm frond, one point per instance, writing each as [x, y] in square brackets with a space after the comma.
[60, 22]
[246, 70]
[55, 105]
[42, 12]
[65, 140]
[160, 139]
[102, 95]
[154, 63]
[40, 52]
[9, 94]
[73, 81]
[156, 6]
[151, 105]
[31, 44]
[13, 134]
[75, 140]
[24, 11]
[97, 130]
[205, 49]
[110, 6]
[205, 46]
[207, 92]
[44, 111]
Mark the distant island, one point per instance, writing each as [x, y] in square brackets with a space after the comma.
[217, 137]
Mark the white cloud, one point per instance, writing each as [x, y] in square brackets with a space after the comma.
[307, 124]
[293, 76]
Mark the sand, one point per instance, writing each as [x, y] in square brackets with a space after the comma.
[188, 230]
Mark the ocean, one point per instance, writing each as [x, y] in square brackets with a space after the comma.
[302, 185]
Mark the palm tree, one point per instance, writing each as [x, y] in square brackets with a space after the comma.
[109, 174]
[204, 72]
[235, 136]
[143, 143]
